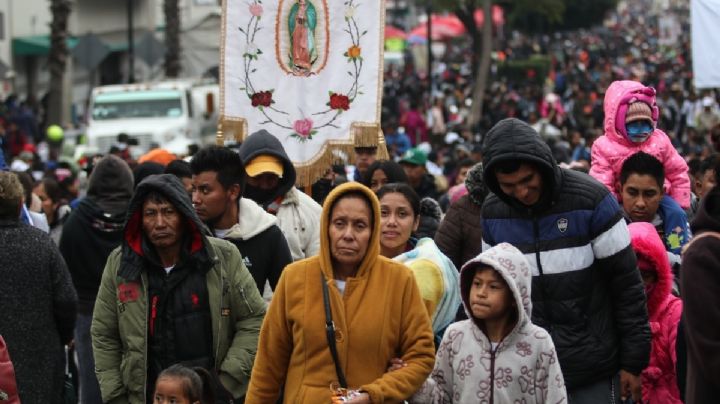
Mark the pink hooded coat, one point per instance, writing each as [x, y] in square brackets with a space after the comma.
[610, 150]
[659, 379]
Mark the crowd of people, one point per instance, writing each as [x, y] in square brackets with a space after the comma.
[563, 250]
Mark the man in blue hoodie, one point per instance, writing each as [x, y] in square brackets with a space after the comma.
[643, 200]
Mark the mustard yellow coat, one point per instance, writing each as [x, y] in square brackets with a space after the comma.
[380, 316]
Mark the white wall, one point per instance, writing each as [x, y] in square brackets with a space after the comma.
[108, 18]
[29, 17]
[190, 11]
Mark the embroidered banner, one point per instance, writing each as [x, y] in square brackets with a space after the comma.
[307, 71]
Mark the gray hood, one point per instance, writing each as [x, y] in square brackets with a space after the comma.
[512, 265]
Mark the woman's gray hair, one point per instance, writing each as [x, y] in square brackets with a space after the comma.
[11, 195]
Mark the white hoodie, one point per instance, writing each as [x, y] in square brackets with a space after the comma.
[523, 368]
[252, 220]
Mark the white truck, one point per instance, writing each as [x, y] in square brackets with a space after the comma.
[171, 114]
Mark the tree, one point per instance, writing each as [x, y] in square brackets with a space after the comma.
[481, 75]
[552, 15]
[172, 38]
[524, 15]
[57, 59]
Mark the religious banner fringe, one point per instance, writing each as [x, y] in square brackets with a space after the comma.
[309, 72]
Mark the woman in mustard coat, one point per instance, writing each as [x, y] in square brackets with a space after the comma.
[377, 312]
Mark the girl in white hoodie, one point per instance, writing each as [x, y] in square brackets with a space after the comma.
[498, 355]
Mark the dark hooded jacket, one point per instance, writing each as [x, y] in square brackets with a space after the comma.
[259, 143]
[460, 235]
[586, 290]
[297, 213]
[196, 314]
[700, 286]
[95, 227]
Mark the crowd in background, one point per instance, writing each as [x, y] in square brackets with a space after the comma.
[437, 157]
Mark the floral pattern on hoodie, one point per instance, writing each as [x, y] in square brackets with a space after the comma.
[522, 368]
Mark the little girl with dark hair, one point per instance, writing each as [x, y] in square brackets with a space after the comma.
[184, 385]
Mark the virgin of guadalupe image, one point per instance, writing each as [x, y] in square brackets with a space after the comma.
[302, 22]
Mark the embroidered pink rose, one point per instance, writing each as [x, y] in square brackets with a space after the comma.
[256, 9]
[303, 127]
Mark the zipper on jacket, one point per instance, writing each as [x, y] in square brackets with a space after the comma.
[242, 292]
[492, 373]
[145, 359]
[153, 315]
[543, 295]
[220, 320]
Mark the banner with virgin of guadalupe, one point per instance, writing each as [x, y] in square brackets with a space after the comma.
[309, 72]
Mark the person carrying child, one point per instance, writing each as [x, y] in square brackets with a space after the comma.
[659, 379]
[498, 355]
[631, 115]
[179, 384]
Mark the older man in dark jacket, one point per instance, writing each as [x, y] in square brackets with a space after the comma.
[37, 300]
[170, 294]
[586, 289]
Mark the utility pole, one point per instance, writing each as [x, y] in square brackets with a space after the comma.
[131, 42]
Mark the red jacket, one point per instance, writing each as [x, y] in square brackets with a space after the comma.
[659, 380]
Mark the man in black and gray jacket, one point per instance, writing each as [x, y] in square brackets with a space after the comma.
[586, 290]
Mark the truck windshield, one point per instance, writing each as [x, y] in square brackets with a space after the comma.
[138, 104]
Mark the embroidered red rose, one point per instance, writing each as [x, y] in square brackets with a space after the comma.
[339, 101]
[128, 292]
[261, 99]
[195, 300]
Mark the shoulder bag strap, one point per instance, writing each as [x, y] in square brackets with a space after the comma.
[330, 332]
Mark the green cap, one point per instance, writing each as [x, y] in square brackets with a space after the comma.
[414, 156]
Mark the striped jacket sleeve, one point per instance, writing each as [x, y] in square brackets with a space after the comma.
[614, 254]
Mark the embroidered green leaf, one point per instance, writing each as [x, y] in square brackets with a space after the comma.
[364, 32]
[253, 70]
[259, 52]
[260, 108]
[350, 73]
[241, 30]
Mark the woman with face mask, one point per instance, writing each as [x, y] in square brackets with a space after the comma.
[434, 272]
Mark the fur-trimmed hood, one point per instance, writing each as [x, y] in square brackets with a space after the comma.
[648, 246]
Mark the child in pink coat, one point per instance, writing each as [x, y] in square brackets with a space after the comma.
[631, 115]
[659, 379]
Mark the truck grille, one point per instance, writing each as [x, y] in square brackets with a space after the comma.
[105, 142]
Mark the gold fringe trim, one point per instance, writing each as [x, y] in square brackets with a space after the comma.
[366, 134]
[362, 134]
[236, 128]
